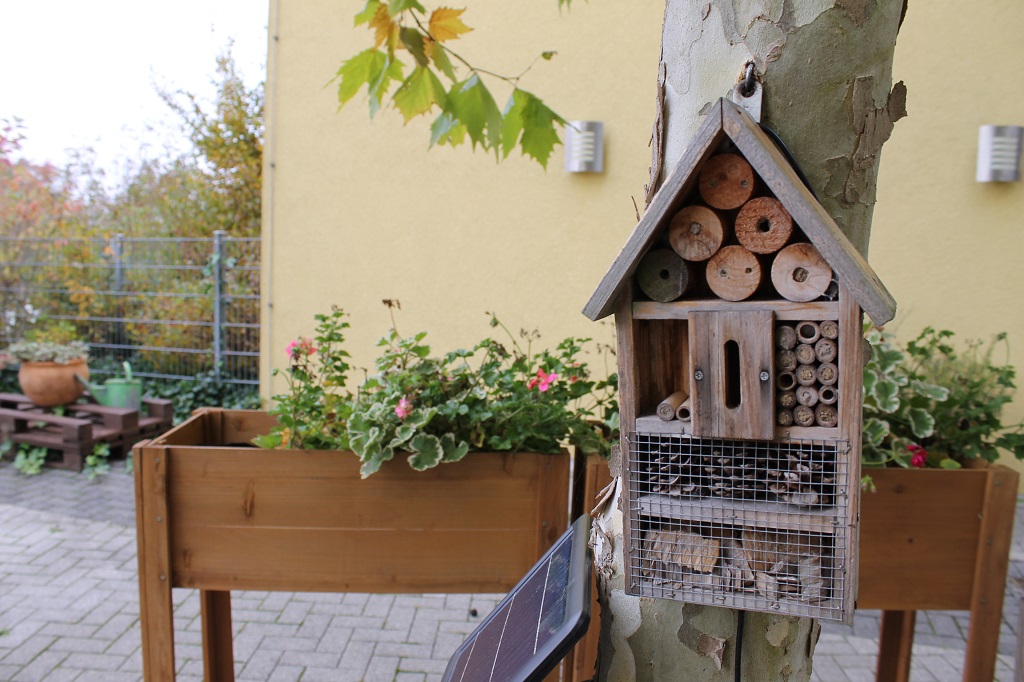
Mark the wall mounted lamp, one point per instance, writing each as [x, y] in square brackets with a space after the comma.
[999, 150]
[584, 147]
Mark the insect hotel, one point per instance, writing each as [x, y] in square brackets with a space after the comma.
[738, 312]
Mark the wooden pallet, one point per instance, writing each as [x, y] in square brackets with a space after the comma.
[70, 437]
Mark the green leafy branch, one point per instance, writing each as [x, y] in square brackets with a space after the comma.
[465, 108]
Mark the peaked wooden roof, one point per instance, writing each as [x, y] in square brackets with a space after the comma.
[728, 120]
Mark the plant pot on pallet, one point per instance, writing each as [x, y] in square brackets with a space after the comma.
[217, 515]
[49, 384]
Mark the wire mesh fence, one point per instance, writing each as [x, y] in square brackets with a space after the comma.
[173, 308]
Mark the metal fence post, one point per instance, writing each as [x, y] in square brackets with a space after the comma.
[218, 301]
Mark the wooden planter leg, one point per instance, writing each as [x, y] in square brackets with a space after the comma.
[218, 647]
[156, 609]
[990, 575]
[896, 640]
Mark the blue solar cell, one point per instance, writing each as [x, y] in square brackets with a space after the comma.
[536, 624]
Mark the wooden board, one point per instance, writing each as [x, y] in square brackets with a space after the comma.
[749, 513]
[784, 310]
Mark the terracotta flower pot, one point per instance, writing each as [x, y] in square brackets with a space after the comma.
[48, 384]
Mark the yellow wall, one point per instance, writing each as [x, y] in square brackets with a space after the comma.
[356, 212]
[362, 211]
[950, 248]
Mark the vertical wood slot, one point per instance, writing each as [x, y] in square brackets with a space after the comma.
[733, 372]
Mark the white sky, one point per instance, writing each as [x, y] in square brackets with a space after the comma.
[82, 73]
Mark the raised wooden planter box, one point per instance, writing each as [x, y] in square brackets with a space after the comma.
[217, 515]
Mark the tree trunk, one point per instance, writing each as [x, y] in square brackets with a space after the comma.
[826, 68]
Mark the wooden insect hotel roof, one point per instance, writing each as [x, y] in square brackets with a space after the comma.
[727, 120]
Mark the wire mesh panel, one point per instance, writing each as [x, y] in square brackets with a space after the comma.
[174, 308]
[753, 525]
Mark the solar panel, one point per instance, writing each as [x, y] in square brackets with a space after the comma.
[535, 625]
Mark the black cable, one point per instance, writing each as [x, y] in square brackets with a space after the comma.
[739, 645]
[789, 157]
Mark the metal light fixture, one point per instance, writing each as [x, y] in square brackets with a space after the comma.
[999, 150]
[584, 147]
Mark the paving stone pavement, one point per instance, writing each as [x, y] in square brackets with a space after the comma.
[69, 609]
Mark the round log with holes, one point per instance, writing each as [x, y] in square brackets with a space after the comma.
[727, 181]
[696, 233]
[786, 381]
[803, 415]
[663, 275]
[807, 395]
[829, 329]
[826, 415]
[828, 395]
[734, 273]
[806, 375]
[800, 274]
[787, 399]
[808, 332]
[683, 412]
[763, 225]
[804, 354]
[828, 374]
[826, 350]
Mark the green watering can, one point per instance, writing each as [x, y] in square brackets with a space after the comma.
[117, 392]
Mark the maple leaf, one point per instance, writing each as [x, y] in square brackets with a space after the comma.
[369, 11]
[446, 129]
[472, 104]
[445, 24]
[399, 6]
[419, 93]
[525, 113]
[413, 41]
[382, 24]
[439, 54]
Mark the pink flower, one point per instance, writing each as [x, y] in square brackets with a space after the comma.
[918, 455]
[542, 381]
[404, 408]
[299, 347]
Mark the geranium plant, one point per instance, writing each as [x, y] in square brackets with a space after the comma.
[928, 404]
[501, 397]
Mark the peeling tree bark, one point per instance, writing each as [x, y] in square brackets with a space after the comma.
[826, 67]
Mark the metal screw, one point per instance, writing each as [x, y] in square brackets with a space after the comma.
[156, 461]
[159, 519]
[163, 577]
[699, 375]
[765, 376]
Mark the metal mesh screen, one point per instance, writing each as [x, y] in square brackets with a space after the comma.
[752, 525]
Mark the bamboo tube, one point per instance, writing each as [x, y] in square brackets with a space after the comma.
[828, 374]
[763, 225]
[826, 415]
[785, 361]
[800, 274]
[784, 417]
[828, 395]
[786, 381]
[696, 233]
[667, 408]
[829, 329]
[807, 395]
[805, 354]
[806, 375]
[785, 337]
[734, 274]
[787, 399]
[808, 332]
[683, 412]
[826, 350]
[803, 416]
[726, 181]
[663, 275]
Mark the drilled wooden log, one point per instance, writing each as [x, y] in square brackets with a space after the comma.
[763, 225]
[784, 417]
[807, 395]
[666, 409]
[806, 375]
[785, 361]
[683, 548]
[829, 329]
[734, 273]
[696, 233]
[663, 275]
[803, 415]
[727, 181]
[805, 354]
[787, 399]
[785, 337]
[826, 415]
[808, 332]
[828, 395]
[785, 381]
[828, 374]
[683, 412]
[826, 350]
[800, 274]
